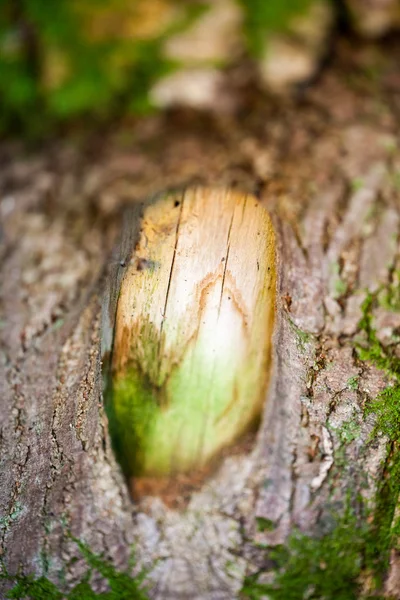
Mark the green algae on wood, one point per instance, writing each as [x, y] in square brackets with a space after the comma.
[192, 344]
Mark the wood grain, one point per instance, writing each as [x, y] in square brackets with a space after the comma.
[193, 330]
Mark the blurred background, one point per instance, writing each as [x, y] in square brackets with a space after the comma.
[96, 60]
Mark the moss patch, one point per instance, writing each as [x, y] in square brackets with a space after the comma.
[386, 406]
[389, 297]
[303, 338]
[358, 546]
[122, 586]
[315, 568]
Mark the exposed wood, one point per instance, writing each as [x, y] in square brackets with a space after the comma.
[193, 330]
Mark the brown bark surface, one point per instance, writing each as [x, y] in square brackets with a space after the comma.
[326, 166]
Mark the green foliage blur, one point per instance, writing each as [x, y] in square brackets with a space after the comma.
[122, 586]
[264, 16]
[93, 59]
[55, 65]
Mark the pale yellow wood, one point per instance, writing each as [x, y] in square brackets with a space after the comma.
[193, 329]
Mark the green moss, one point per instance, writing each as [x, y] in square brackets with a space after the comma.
[265, 524]
[386, 406]
[384, 529]
[349, 431]
[389, 297]
[303, 338]
[331, 567]
[36, 589]
[324, 568]
[352, 383]
[371, 350]
[13, 515]
[339, 286]
[122, 586]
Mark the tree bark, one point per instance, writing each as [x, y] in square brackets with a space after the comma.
[325, 168]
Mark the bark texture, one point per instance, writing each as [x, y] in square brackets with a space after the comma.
[326, 167]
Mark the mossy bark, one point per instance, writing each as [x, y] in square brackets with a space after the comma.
[326, 169]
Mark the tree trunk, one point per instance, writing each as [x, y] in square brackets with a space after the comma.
[326, 168]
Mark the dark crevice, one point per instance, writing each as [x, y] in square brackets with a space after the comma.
[226, 261]
[164, 314]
